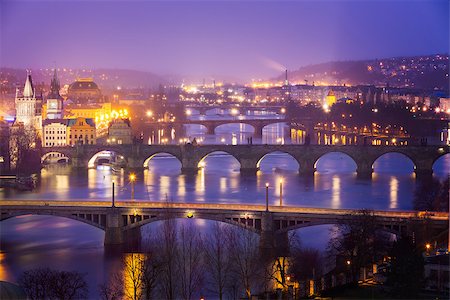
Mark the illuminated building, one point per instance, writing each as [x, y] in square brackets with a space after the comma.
[54, 132]
[119, 132]
[331, 98]
[84, 90]
[54, 107]
[28, 106]
[91, 111]
[81, 131]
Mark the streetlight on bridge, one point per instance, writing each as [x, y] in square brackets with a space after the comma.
[267, 196]
[281, 191]
[113, 204]
[132, 178]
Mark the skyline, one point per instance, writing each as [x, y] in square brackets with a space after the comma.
[245, 40]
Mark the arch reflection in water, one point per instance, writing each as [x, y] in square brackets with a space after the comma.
[335, 162]
[393, 162]
[278, 161]
[441, 167]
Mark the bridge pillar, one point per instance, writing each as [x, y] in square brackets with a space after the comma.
[272, 244]
[135, 163]
[79, 162]
[364, 169]
[258, 131]
[113, 231]
[248, 166]
[423, 174]
[306, 167]
[211, 129]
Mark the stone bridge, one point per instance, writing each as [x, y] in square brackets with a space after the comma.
[211, 125]
[122, 222]
[202, 109]
[250, 156]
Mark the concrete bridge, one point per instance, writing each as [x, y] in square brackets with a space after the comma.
[122, 222]
[249, 156]
[211, 125]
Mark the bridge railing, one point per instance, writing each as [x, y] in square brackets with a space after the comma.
[243, 208]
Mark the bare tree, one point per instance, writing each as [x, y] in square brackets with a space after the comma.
[244, 250]
[189, 261]
[168, 252]
[24, 149]
[217, 260]
[357, 241]
[133, 275]
[113, 290]
[50, 284]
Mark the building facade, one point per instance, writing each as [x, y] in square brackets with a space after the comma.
[54, 132]
[84, 90]
[81, 131]
[119, 132]
[28, 106]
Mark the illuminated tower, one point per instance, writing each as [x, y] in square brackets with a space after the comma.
[28, 107]
[54, 100]
[331, 98]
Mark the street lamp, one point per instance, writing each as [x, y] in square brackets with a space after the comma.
[132, 178]
[281, 191]
[267, 196]
[113, 204]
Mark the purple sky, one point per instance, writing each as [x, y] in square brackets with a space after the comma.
[250, 39]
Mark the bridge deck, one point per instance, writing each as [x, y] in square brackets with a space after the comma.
[132, 204]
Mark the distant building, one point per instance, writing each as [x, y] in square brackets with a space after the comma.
[119, 132]
[54, 132]
[28, 106]
[84, 90]
[444, 104]
[81, 131]
[4, 146]
[54, 106]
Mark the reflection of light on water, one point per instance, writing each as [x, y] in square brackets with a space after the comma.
[336, 192]
[393, 192]
[234, 140]
[181, 192]
[223, 184]
[62, 182]
[164, 186]
[3, 272]
[200, 184]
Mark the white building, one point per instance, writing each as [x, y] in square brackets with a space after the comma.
[28, 106]
[54, 132]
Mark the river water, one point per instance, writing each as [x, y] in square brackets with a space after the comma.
[46, 241]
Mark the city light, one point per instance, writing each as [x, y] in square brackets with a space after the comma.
[149, 113]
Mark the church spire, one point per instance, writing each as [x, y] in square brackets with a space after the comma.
[28, 90]
[54, 87]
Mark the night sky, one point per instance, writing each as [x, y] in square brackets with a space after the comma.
[250, 39]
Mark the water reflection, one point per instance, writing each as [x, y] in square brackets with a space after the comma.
[393, 195]
[336, 192]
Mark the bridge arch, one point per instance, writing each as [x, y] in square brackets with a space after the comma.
[441, 164]
[106, 156]
[281, 122]
[98, 221]
[240, 123]
[344, 165]
[249, 223]
[54, 156]
[160, 155]
[291, 158]
[202, 161]
[398, 161]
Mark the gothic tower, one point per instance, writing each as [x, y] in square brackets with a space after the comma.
[54, 99]
[28, 106]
